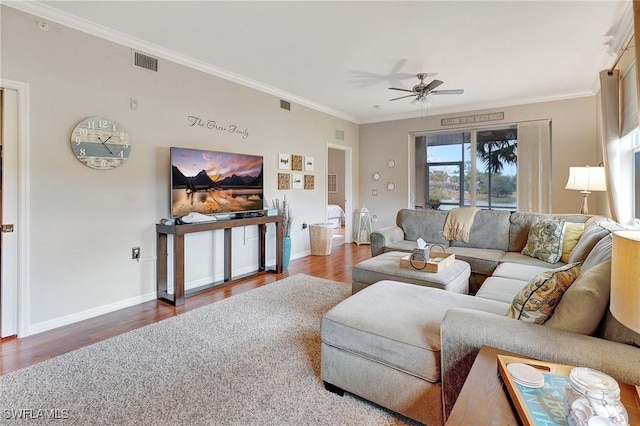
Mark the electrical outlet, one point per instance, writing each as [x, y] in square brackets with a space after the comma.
[135, 253]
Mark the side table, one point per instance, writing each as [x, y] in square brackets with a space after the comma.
[484, 401]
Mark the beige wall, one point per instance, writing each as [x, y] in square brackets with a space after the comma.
[573, 144]
[83, 222]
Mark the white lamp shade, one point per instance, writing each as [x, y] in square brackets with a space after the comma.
[586, 179]
[625, 279]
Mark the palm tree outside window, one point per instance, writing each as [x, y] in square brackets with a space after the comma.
[448, 163]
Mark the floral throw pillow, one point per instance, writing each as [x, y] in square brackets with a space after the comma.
[538, 299]
[545, 240]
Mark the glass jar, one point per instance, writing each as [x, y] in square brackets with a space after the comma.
[592, 398]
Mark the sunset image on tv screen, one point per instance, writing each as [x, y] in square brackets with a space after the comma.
[211, 182]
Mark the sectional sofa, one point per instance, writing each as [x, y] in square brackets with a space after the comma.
[497, 236]
[409, 348]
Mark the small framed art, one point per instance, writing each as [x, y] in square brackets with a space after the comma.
[308, 164]
[284, 161]
[309, 182]
[297, 181]
[296, 163]
[284, 181]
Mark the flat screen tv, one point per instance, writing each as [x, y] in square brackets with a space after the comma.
[212, 182]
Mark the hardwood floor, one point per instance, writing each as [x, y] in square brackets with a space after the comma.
[19, 353]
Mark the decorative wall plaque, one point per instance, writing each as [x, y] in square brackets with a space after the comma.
[284, 181]
[297, 181]
[195, 121]
[309, 182]
[296, 163]
[308, 164]
[284, 161]
[479, 118]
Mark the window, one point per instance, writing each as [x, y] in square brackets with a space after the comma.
[332, 182]
[497, 157]
[467, 168]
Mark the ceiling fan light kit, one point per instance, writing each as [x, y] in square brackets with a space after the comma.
[421, 90]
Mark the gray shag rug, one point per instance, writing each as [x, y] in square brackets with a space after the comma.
[251, 359]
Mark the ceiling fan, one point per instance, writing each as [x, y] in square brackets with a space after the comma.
[420, 91]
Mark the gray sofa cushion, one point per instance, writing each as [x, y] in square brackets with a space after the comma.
[595, 229]
[490, 230]
[425, 224]
[500, 289]
[601, 252]
[482, 261]
[513, 257]
[411, 341]
[519, 271]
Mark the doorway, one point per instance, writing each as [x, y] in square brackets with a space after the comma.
[14, 125]
[338, 196]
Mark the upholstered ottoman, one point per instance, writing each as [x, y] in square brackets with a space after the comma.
[383, 344]
[386, 266]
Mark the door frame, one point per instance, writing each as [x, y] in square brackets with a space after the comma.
[348, 190]
[23, 225]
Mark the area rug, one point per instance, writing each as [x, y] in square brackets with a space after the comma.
[251, 359]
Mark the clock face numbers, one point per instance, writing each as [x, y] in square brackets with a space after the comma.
[100, 143]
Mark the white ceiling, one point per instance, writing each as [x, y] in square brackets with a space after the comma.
[341, 57]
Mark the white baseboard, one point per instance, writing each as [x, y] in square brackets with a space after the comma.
[105, 309]
[89, 313]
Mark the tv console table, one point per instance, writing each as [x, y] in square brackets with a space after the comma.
[179, 231]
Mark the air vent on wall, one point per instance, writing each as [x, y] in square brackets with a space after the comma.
[141, 60]
[285, 105]
[340, 134]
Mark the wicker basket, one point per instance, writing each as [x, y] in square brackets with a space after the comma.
[321, 237]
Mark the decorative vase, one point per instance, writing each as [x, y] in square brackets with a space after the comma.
[286, 252]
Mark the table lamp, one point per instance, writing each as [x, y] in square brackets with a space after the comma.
[625, 279]
[586, 179]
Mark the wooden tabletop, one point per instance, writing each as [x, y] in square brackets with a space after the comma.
[484, 401]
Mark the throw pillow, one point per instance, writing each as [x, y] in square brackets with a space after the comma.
[545, 240]
[572, 233]
[537, 300]
[581, 308]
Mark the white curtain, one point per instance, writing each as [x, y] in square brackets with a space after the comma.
[534, 166]
[617, 153]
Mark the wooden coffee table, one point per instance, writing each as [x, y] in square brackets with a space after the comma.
[483, 400]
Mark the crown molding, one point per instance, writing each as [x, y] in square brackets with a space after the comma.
[430, 112]
[44, 11]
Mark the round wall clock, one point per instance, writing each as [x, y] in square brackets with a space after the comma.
[100, 143]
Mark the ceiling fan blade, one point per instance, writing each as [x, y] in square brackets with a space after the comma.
[433, 85]
[447, 92]
[398, 66]
[401, 97]
[402, 90]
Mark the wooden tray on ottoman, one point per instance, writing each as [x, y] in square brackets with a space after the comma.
[438, 260]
